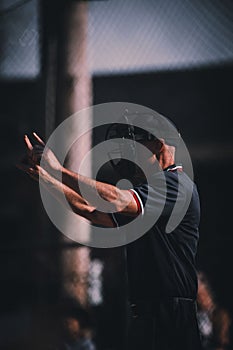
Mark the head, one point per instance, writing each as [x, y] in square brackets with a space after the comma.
[71, 328]
[75, 320]
[156, 134]
[162, 155]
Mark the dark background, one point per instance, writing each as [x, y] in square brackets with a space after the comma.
[199, 102]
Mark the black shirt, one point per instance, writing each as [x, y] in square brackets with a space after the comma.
[160, 263]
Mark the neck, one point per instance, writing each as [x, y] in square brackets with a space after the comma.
[166, 157]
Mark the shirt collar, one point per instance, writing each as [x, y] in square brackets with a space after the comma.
[173, 167]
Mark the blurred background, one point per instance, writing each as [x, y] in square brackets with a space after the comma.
[57, 57]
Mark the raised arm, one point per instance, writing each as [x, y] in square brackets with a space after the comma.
[77, 203]
[121, 201]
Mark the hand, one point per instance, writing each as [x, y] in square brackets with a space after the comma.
[35, 172]
[34, 153]
[50, 161]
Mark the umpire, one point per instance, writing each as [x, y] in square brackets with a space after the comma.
[161, 265]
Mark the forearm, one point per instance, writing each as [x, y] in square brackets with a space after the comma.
[95, 189]
[77, 203]
[83, 194]
[58, 189]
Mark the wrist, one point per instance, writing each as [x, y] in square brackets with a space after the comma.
[45, 177]
[57, 173]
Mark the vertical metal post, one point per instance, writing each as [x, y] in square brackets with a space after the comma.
[69, 90]
[77, 95]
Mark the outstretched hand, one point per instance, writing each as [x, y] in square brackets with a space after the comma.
[34, 171]
[31, 162]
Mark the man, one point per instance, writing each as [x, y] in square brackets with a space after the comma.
[75, 331]
[161, 271]
[214, 321]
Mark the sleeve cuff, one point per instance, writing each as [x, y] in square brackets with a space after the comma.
[138, 201]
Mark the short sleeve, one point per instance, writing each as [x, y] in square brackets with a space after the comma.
[155, 199]
[150, 199]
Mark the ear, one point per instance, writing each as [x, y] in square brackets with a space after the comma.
[159, 147]
[160, 144]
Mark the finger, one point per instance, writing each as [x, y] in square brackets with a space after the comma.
[34, 177]
[22, 166]
[38, 139]
[25, 168]
[28, 143]
[32, 172]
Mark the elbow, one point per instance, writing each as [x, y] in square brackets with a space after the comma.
[122, 200]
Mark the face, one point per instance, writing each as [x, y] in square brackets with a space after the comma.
[72, 328]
